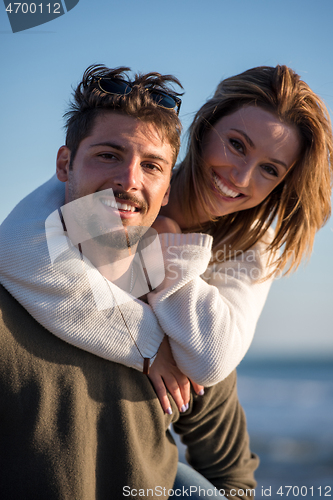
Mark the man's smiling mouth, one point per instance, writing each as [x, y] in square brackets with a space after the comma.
[119, 206]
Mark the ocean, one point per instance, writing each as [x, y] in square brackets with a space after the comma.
[289, 410]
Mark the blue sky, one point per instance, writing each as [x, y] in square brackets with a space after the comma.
[201, 43]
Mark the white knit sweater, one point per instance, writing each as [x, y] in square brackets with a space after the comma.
[210, 319]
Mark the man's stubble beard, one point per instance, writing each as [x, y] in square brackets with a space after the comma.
[118, 239]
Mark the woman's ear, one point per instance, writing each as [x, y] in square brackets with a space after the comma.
[63, 162]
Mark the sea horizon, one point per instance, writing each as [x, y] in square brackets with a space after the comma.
[289, 410]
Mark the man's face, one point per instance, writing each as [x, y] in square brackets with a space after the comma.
[126, 155]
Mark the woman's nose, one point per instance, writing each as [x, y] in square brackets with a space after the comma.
[241, 174]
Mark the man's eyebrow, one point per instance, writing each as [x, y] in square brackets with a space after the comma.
[121, 148]
[156, 157]
[251, 143]
[109, 145]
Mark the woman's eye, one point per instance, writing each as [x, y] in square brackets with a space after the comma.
[270, 170]
[238, 145]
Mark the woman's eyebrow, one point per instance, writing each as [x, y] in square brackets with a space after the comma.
[274, 160]
[246, 137]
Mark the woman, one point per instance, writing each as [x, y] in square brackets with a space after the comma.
[258, 152]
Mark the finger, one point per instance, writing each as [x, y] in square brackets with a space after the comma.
[161, 393]
[185, 388]
[175, 391]
[198, 389]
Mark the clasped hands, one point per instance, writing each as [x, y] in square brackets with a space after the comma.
[164, 373]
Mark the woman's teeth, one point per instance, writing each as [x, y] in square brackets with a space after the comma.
[120, 206]
[223, 188]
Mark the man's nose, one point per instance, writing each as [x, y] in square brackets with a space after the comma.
[129, 175]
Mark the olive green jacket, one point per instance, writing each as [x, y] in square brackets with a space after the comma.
[77, 427]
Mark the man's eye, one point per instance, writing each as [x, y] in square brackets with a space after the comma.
[238, 145]
[107, 156]
[152, 166]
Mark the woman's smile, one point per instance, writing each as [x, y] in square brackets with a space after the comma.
[222, 187]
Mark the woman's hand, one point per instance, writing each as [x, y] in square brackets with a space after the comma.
[165, 374]
[165, 225]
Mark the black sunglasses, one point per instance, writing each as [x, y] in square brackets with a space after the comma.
[121, 87]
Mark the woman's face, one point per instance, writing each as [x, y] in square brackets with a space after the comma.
[248, 153]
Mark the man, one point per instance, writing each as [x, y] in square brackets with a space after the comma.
[73, 425]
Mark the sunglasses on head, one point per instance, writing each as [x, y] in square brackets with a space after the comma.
[117, 86]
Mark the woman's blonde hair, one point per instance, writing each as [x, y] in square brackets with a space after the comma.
[301, 203]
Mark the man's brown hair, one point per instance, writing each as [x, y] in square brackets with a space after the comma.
[90, 101]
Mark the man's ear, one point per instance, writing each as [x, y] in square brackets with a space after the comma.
[63, 162]
[166, 197]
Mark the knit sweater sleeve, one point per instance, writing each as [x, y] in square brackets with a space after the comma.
[209, 314]
[210, 323]
[60, 297]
